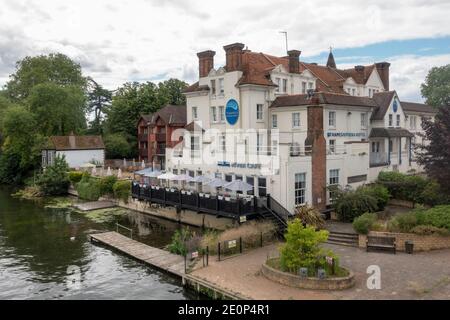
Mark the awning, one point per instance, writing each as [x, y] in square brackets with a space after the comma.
[389, 133]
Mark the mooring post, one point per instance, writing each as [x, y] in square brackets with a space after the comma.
[207, 255]
[240, 244]
[218, 250]
[261, 239]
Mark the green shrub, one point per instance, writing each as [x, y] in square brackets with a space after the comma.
[122, 190]
[88, 189]
[433, 195]
[302, 247]
[54, 180]
[379, 192]
[406, 221]
[75, 176]
[404, 187]
[364, 223]
[184, 241]
[438, 216]
[350, 204]
[106, 185]
[430, 230]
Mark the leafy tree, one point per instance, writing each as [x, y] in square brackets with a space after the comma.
[171, 91]
[301, 249]
[55, 178]
[98, 100]
[436, 89]
[21, 149]
[434, 156]
[128, 103]
[59, 110]
[31, 71]
[117, 146]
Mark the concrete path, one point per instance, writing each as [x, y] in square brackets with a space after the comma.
[423, 275]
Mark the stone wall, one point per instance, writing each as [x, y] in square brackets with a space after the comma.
[421, 243]
[185, 216]
[292, 280]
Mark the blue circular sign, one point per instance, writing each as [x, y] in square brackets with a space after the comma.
[232, 111]
[395, 105]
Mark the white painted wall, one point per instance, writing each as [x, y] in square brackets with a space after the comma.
[76, 158]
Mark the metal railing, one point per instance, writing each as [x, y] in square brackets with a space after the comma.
[123, 227]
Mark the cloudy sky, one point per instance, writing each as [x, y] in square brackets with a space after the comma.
[152, 40]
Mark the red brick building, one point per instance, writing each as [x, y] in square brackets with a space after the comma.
[155, 132]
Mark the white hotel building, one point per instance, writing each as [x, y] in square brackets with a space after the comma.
[298, 128]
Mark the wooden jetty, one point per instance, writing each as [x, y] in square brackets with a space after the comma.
[94, 205]
[155, 257]
[162, 260]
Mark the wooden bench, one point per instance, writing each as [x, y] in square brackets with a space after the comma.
[381, 243]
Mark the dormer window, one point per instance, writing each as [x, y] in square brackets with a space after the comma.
[277, 82]
[221, 87]
[213, 87]
[303, 87]
[284, 85]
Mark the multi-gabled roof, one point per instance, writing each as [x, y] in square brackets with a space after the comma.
[380, 102]
[256, 68]
[169, 114]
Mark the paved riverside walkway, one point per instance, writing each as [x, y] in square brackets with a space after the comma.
[155, 257]
[94, 205]
[422, 275]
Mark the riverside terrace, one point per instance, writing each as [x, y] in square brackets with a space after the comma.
[238, 208]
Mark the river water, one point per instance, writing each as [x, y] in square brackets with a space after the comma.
[45, 254]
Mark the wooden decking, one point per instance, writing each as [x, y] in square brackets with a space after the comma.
[155, 257]
[94, 205]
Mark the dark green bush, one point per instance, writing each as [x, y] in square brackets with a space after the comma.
[184, 241]
[363, 223]
[54, 180]
[122, 190]
[350, 204]
[406, 221]
[88, 188]
[379, 192]
[75, 176]
[106, 185]
[438, 216]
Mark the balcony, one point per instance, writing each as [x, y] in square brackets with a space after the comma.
[142, 137]
[159, 137]
[143, 152]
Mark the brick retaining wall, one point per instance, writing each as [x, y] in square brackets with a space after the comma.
[421, 243]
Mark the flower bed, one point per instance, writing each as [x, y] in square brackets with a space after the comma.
[287, 278]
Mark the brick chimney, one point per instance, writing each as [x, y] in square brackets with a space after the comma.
[383, 71]
[205, 62]
[233, 54]
[294, 61]
[315, 138]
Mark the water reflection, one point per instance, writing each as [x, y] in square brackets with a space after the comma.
[38, 245]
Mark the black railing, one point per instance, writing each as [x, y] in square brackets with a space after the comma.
[206, 203]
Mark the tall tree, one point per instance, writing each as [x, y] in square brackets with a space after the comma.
[436, 89]
[98, 100]
[21, 149]
[58, 109]
[171, 91]
[31, 71]
[435, 155]
[128, 103]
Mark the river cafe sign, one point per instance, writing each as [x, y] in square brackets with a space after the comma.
[239, 165]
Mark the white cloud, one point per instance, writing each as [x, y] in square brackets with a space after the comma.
[118, 41]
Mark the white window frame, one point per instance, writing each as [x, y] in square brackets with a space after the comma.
[277, 82]
[332, 119]
[300, 189]
[391, 120]
[332, 146]
[284, 85]
[221, 111]
[194, 113]
[259, 113]
[213, 87]
[213, 111]
[413, 122]
[304, 87]
[334, 177]
[364, 120]
[397, 120]
[221, 86]
[274, 121]
[296, 120]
